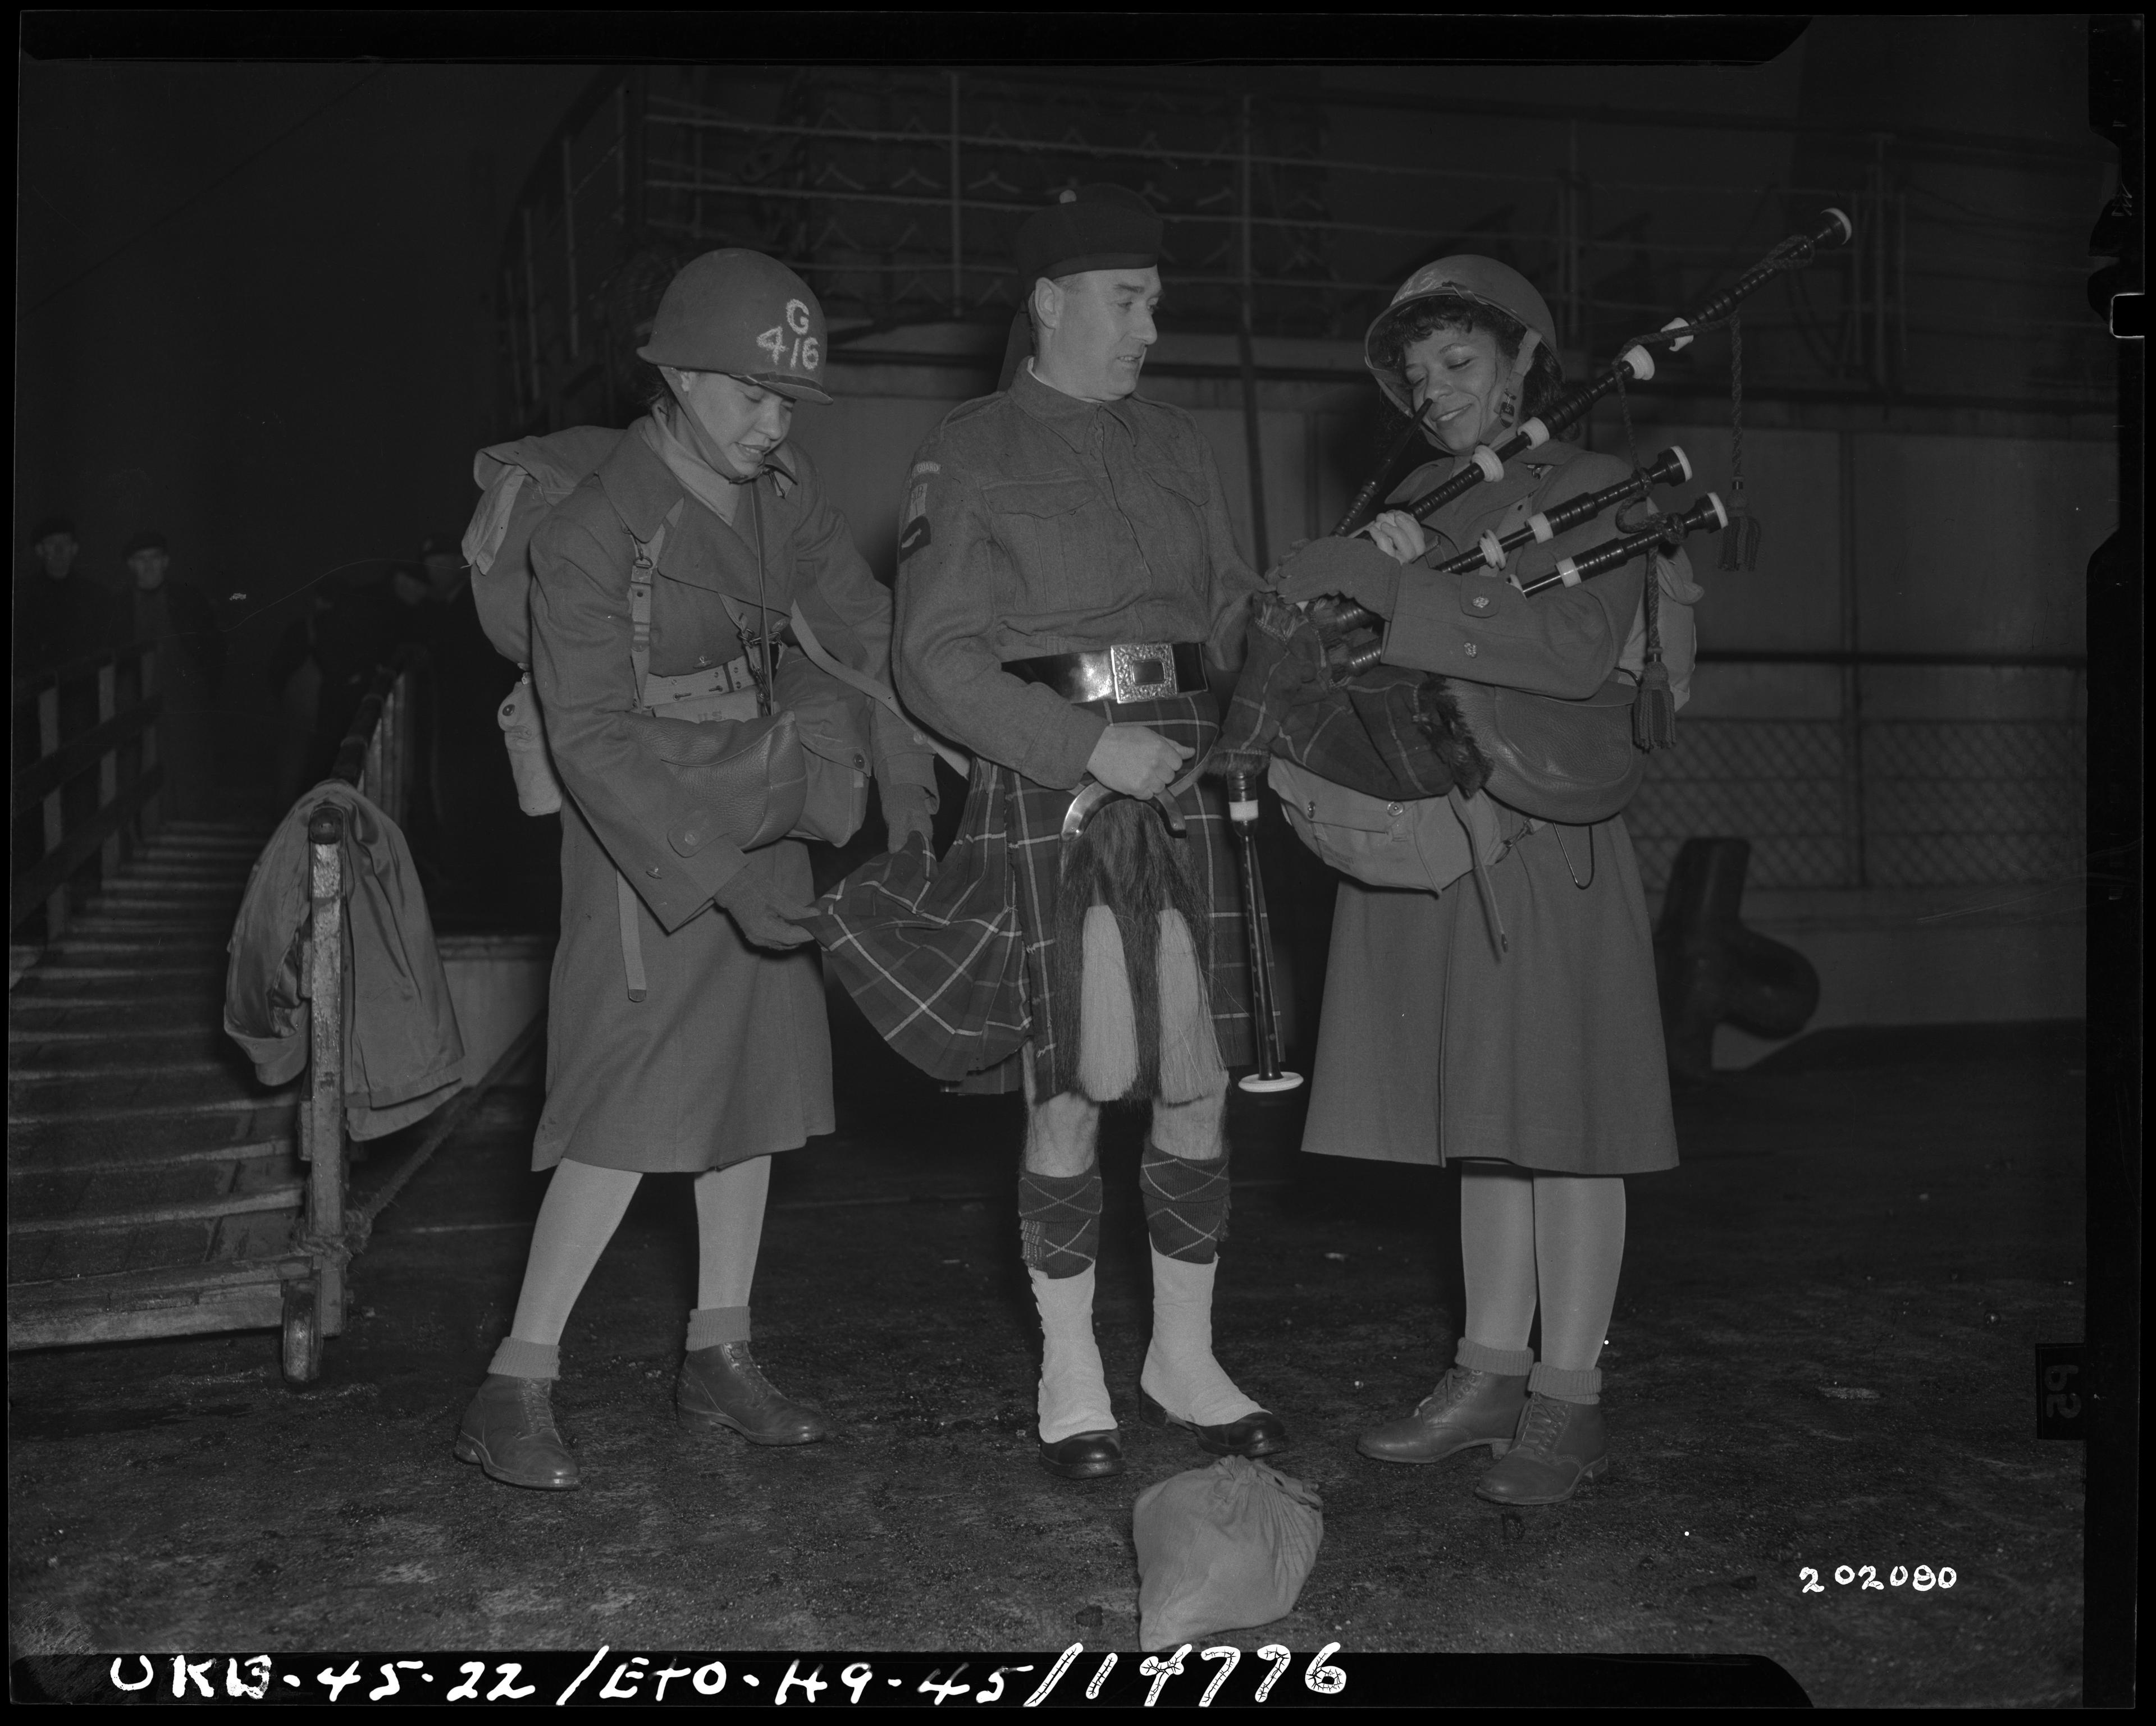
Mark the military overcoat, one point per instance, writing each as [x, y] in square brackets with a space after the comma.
[728, 1056]
[1437, 1043]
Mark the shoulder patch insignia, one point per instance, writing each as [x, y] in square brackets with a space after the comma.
[916, 535]
[916, 502]
[921, 468]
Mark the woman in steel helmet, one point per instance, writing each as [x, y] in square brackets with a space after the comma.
[1532, 1056]
[687, 1033]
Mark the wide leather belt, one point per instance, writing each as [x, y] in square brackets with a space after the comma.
[1130, 671]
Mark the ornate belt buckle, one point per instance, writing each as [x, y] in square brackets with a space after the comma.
[1143, 670]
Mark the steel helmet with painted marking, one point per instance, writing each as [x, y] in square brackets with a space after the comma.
[1485, 281]
[739, 312]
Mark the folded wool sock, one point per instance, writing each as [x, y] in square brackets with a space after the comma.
[710, 1326]
[1574, 1385]
[517, 1359]
[1479, 1357]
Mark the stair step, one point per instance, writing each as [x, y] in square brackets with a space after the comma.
[106, 1066]
[57, 1104]
[163, 967]
[38, 995]
[130, 1137]
[162, 1031]
[143, 943]
[139, 1155]
[288, 1196]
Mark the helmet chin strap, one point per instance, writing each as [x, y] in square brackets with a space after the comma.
[1508, 398]
[699, 440]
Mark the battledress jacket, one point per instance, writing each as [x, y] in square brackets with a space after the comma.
[1039, 523]
[1436, 1043]
[728, 1056]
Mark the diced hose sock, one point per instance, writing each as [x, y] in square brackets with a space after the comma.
[1186, 1204]
[1059, 1222]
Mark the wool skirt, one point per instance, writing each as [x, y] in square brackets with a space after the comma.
[727, 1057]
[1437, 1043]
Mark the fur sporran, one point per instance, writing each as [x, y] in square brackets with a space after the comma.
[1126, 863]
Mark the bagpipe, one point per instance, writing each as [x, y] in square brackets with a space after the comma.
[1635, 364]
[1315, 694]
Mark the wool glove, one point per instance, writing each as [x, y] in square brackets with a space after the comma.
[1354, 567]
[907, 810]
[762, 921]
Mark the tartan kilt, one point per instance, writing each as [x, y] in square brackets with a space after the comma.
[953, 967]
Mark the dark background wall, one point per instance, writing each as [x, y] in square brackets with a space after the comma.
[252, 312]
[255, 301]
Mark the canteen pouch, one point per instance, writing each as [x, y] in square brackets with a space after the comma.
[1413, 842]
[831, 722]
[538, 789]
[1568, 761]
[750, 771]
[1418, 844]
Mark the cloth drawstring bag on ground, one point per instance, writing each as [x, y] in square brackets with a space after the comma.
[1223, 1548]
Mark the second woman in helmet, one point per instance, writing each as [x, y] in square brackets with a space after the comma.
[687, 1032]
[1519, 1038]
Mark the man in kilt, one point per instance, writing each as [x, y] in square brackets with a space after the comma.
[1069, 600]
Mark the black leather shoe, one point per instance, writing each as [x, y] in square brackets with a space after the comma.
[1255, 1435]
[1083, 1456]
[508, 1429]
[723, 1386]
[1559, 1444]
[1466, 1409]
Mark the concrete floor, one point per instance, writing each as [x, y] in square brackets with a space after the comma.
[1820, 1355]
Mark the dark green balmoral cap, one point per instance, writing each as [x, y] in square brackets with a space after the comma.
[1101, 227]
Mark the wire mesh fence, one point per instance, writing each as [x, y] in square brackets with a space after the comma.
[898, 191]
[1876, 803]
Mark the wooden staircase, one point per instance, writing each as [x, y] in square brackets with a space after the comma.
[154, 1186]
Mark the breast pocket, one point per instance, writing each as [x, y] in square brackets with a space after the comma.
[1043, 525]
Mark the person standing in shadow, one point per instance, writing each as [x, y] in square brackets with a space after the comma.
[180, 621]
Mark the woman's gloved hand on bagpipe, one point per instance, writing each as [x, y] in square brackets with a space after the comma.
[1362, 570]
[763, 921]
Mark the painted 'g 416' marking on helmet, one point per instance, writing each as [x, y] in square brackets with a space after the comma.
[807, 352]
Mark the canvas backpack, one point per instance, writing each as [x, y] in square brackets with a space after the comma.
[519, 483]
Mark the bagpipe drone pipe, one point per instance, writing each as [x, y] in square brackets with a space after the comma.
[1314, 691]
[1634, 363]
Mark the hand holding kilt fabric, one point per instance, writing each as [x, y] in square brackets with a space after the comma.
[956, 966]
[1036, 524]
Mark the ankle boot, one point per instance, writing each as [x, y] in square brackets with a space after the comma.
[1466, 1409]
[508, 1429]
[723, 1386]
[1559, 1445]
